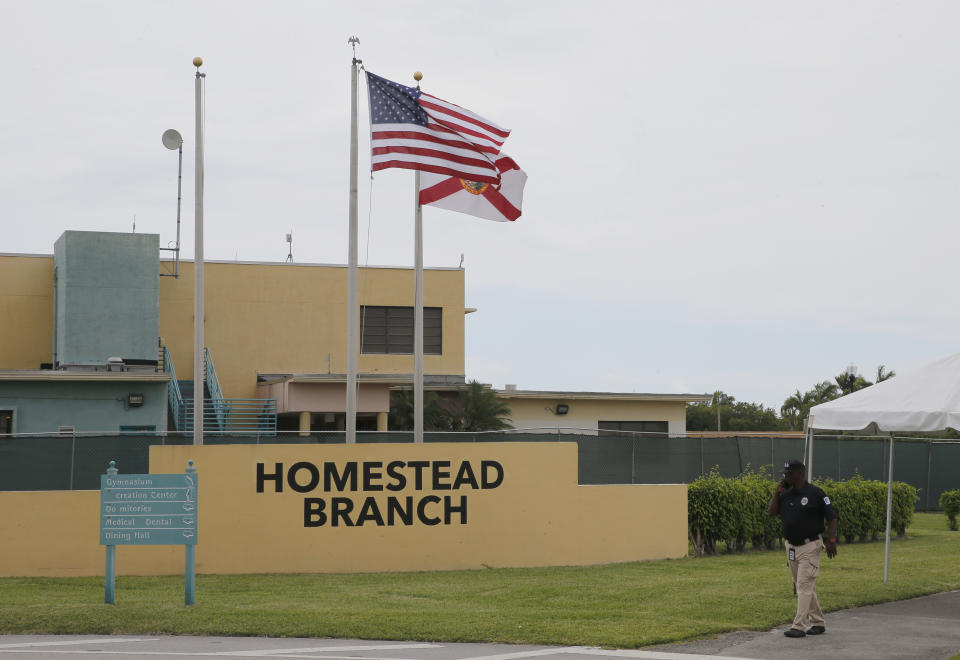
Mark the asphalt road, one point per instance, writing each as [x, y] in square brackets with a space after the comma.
[919, 629]
[926, 628]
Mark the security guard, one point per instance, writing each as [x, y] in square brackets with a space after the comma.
[802, 507]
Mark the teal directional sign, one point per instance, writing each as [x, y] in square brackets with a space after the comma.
[148, 509]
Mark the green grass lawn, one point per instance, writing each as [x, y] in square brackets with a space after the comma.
[618, 605]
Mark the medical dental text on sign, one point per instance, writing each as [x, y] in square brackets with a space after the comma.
[148, 509]
[332, 483]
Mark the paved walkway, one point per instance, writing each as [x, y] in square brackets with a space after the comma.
[919, 629]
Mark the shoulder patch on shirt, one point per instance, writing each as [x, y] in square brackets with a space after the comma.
[826, 500]
[803, 502]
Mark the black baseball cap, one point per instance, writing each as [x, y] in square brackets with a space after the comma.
[793, 464]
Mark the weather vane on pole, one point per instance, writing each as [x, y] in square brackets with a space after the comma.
[354, 42]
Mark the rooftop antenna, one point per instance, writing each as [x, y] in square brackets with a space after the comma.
[134, 223]
[290, 245]
[173, 140]
[461, 261]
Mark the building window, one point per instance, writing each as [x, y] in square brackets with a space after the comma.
[649, 429]
[389, 330]
[6, 421]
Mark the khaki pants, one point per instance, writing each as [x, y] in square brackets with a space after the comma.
[805, 569]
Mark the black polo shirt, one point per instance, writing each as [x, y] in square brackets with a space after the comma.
[802, 511]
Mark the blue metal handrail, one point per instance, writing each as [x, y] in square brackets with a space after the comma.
[236, 415]
[174, 396]
[218, 406]
[210, 373]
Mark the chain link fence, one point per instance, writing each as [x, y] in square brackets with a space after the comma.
[75, 462]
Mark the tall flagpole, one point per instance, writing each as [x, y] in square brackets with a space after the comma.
[198, 308]
[353, 311]
[418, 317]
[418, 306]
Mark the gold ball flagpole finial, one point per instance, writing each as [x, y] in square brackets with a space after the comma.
[198, 62]
[417, 76]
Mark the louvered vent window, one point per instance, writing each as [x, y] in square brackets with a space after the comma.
[389, 330]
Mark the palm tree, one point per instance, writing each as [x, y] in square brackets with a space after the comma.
[883, 374]
[824, 391]
[480, 409]
[435, 416]
[474, 408]
[849, 381]
[796, 408]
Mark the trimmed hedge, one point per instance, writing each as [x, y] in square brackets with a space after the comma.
[734, 510]
[950, 501]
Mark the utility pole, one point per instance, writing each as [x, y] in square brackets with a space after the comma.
[716, 396]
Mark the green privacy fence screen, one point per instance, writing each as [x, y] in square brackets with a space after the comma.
[75, 462]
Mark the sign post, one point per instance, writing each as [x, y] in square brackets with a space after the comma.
[148, 509]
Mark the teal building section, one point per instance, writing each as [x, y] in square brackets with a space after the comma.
[106, 300]
[44, 406]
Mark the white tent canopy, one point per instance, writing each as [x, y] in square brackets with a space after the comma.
[927, 399]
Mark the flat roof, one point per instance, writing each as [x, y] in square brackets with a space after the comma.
[626, 396]
[454, 380]
[81, 375]
[429, 380]
[256, 263]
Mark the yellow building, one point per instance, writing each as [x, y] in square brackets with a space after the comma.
[599, 412]
[277, 331]
[274, 330]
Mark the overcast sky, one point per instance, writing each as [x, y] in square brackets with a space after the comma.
[746, 196]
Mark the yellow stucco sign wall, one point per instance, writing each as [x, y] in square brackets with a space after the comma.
[375, 507]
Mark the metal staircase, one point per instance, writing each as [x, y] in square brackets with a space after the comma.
[220, 415]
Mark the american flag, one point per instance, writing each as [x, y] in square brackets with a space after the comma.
[417, 131]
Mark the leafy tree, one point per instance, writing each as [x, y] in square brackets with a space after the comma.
[473, 408]
[950, 501]
[741, 416]
[734, 415]
[435, 415]
[701, 417]
[478, 409]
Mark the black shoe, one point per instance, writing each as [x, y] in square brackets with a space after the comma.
[793, 632]
[816, 630]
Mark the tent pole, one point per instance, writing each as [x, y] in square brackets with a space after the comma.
[886, 554]
[809, 454]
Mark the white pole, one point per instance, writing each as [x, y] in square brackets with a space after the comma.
[418, 317]
[198, 307]
[353, 311]
[810, 454]
[886, 552]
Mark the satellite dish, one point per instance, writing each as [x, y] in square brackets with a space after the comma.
[171, 139]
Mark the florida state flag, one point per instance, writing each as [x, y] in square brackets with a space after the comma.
[484, 200]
